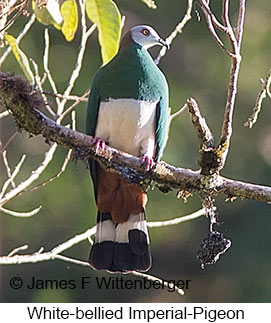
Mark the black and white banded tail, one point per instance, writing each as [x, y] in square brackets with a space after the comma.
[121, 247]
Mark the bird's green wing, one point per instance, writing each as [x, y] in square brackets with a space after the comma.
[92, 111]
[91, 123]
[161, 132]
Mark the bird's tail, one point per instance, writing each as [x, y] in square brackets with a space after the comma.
[122, 242]
[121, 247]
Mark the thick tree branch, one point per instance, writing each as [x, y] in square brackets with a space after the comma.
[23, 101]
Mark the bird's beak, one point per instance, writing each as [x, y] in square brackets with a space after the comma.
[163, 43]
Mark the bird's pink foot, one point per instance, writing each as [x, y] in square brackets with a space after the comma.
[147, 162]
[99, 143]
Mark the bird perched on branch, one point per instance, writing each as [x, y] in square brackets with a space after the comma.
[128, 110]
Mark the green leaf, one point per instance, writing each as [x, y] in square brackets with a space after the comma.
[49, 15]
[20, 57]
[150, 3]
[70, 15]
[106, 15]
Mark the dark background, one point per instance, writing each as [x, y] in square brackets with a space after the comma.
[195, 66]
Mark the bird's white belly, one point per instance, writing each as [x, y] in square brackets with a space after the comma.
[128, 125]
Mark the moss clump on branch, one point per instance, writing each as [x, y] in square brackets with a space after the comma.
[22, 99]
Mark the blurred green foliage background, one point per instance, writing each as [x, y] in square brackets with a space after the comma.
[195, 66]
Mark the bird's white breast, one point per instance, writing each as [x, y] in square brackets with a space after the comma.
[128, 125]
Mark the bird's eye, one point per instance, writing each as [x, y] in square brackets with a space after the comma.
[145, 32]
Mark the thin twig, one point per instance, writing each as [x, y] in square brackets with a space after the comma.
[46, 64]
[225, 13]
[70, 108]
[226, 131]
[33, 177]
[11, 178]
[175, 221]
[72, 260]
[21, 214]
[8, 142]
[12, 6]
[39, 85]
[211, 19]
[178, 30]
[177, 113]
[206, 8]
[240, 22]
[19, 38]
[51, 179]
[18, 249]
[257, 108]
[68, 98]
[229, 30]
[5, 159]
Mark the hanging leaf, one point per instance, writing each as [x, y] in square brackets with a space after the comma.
[106, 15]
[70, 15]
[150, 3]
[20, 57]
[48, 15]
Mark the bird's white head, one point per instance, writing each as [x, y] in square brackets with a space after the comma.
[147, 37]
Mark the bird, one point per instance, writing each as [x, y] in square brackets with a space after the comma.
[128, 110]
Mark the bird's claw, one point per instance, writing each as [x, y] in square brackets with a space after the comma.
[99, 144]
[147, 162]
